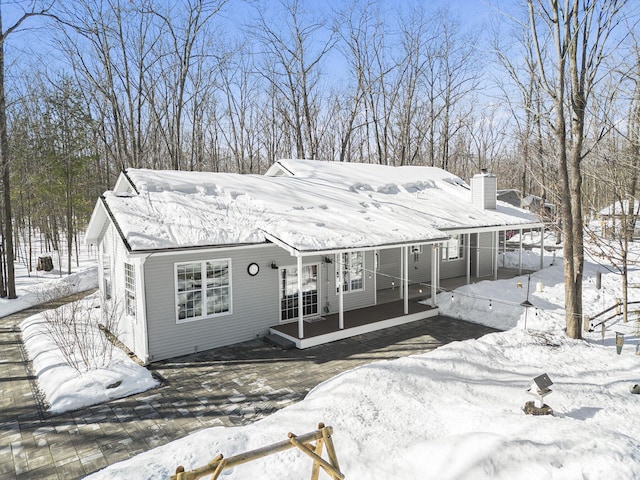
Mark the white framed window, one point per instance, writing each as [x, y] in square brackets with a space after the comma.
[130, 289]
[203, 289]
[106, 276]
[453, 249]
[352, 271]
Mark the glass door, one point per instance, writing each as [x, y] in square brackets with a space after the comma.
[289, 292]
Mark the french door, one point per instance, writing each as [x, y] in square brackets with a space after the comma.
[289, 291]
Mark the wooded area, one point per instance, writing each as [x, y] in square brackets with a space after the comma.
[547, 97]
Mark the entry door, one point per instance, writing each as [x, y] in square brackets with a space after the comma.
[485, 254]
[289, 292]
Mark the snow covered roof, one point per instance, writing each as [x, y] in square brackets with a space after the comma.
[444, 197]
[617, 208]
[315, 206]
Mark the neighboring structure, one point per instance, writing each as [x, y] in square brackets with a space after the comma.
[199, 260]
[537, 205]
[532, 203]
[615, 216]
[510, 196]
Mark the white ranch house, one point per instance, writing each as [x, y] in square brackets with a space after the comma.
[311, 251]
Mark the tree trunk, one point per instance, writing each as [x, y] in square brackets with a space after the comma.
[6, 179]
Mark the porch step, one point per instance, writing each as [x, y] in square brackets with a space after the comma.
[278, 341]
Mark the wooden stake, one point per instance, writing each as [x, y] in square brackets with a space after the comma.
[331, 451]
[219, 470]
[315, 471]
[322, 437]
[323, 463]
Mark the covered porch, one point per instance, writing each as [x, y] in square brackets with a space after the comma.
[389, 312]
[405, 303]
[327, 329]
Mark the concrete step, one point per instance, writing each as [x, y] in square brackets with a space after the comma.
[280, 342]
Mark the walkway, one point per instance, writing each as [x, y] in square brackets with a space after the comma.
[227, 386]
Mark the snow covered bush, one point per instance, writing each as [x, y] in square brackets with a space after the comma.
[81, 330]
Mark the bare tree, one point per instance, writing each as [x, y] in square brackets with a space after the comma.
[292, 68]
[34, 9]
[360, 28]
[182, 48]
[578, 32]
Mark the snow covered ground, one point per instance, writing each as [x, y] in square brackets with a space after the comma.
[32, 288]
[457, 412]
[113, 374]
[64, 387]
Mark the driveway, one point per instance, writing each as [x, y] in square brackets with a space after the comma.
[227, 386]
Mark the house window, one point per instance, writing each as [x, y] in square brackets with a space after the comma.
[352, 271]
[130, 289]
[203, 289]
[454, 248]
[106, 276]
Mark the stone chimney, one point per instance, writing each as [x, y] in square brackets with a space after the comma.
[484, 190]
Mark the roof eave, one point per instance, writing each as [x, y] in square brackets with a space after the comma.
[301, 252]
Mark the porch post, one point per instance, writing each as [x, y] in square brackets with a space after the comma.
[541, 247]
[340, 280]
[520, 255]
[300, 298]
[468, 253]
[496, 242]
[401, 286]
[434, 274]
[375, 277]
[504, 248]
[405, 280]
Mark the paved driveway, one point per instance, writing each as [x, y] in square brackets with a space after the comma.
[227, 386]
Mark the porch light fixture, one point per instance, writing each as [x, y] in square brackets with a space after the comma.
[274, 265]
[327, 260]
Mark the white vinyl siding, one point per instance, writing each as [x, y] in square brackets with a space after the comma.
[255, 304]
[130, 289]
[203, 289]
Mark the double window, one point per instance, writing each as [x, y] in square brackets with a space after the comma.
[352, 264]
[203, 289]
[130, 289]
[453, 249]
